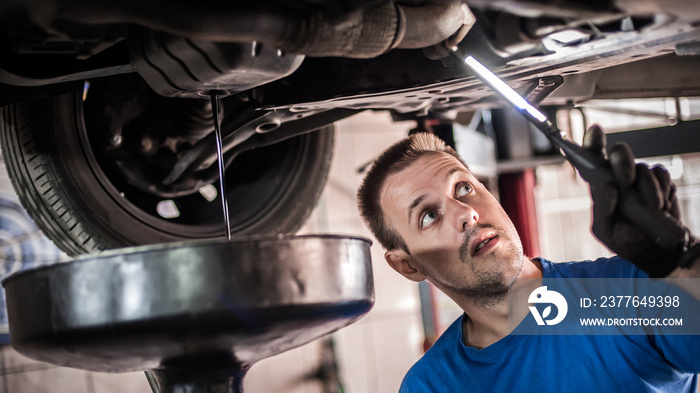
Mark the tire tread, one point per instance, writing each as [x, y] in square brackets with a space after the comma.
[37, 186]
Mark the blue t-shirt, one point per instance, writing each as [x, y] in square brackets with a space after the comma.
[561, 363]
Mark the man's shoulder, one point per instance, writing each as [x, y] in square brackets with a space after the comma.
[434, 361]
[448, 342]
[614, 267]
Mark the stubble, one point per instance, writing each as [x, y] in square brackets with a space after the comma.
[491, 285]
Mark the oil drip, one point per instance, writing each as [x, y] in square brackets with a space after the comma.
[220, 159]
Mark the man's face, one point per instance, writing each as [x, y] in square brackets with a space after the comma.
[457, 234]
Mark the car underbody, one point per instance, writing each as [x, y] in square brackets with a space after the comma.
[116, 94]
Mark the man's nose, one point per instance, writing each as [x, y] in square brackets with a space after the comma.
[464, 215]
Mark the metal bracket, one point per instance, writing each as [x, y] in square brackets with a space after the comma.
[542, 88]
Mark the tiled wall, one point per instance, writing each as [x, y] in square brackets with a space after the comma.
[373, 354]
[24, 375]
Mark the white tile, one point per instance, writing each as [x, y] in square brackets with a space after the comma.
[398, 344]
[371, 133]
[286, 372]
[376, 351]
[47, 381]
[14, 358]
[394, 294]
[372, 365]
[120, 383]
[374, 355]
[346, 227]
[352, 358]
[339, 201]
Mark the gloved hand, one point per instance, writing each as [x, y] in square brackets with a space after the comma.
[659, 194]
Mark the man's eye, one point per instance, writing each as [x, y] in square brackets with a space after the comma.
[428, 219]
[463, 189]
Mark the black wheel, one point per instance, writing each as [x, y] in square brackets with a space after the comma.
[81, 193]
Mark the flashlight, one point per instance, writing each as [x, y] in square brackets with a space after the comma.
[592, 167]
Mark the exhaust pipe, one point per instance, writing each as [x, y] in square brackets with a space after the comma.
[365, 33]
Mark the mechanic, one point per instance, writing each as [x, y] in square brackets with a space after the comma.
[438, 222]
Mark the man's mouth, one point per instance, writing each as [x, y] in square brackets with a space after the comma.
[484, 244]
[478, 246]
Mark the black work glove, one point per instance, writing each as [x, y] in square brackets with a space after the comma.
[659, 194]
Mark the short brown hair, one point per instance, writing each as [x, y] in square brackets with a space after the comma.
[394, 159]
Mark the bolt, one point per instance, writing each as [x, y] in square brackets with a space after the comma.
[146, 144]
[116, 140]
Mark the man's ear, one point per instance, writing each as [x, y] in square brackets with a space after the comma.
[403, 263]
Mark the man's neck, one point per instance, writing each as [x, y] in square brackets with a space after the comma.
[481, 335]
[484, 326]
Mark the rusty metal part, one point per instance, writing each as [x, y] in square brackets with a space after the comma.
[11, 78]
[434, 23]
[367, 32]
[197, 313]
[176, 66]
[443, 49]
[267, 129]
[542, 88]
[553, 8]
[440, 89]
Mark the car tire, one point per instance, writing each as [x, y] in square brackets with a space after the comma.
[84, 208]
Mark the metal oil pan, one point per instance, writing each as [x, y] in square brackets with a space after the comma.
[191, 305]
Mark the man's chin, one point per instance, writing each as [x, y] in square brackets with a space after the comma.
[506, 275]
[488, 296]
[489, 285]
